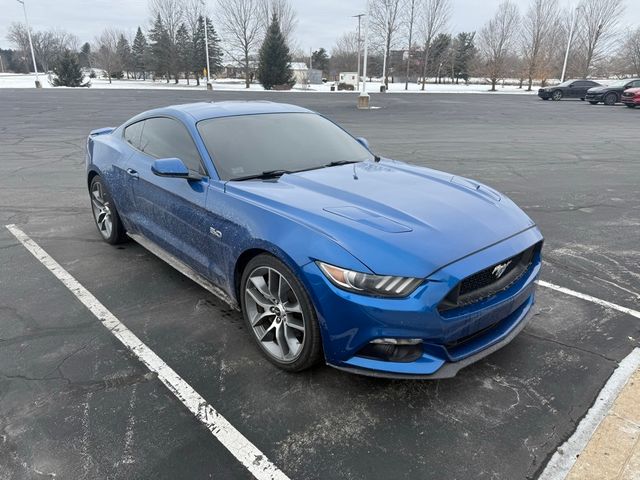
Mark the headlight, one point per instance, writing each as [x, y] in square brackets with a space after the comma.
[367, 284]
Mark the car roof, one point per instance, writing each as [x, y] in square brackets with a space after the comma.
[206, 110]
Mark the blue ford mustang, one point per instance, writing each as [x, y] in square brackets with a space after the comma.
[330, 252]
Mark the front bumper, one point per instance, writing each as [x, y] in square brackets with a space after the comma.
[635, 100]
[451, 339]
[594, 97]
[544, 94]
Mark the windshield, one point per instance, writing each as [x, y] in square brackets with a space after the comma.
[567, 83]
[251, 144]
[618, 83]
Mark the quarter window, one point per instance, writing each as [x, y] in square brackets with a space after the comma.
[132, 133]
[167, 138]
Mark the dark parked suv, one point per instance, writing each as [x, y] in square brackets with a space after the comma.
[611, 94]
[568, 89]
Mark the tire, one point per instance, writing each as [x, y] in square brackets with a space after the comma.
[543, 98]
[593, 103]
[279, 315]
[582, 99]
[630, 105]
[556, 95]
[105, 214]
[610, 98]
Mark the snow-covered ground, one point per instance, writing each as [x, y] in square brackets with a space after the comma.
[8, 80]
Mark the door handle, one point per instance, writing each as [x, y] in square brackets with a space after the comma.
[132, 172]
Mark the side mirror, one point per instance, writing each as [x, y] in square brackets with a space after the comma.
[363, 141]
[170, 167]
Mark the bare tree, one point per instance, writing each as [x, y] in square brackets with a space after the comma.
[105, 52]
[48, 45]
[537, 29]
[597, 27]
[240, 21]
[385, 24]
[344, 54]
[410, 10]
[632, 51]
[497, 41]
[287, 17]
[171, 12]
[434, 18]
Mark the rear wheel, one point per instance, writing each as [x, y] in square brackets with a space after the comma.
[593, 103]
[279, 314]
[105, 214]
[610, 99]
[557, 95]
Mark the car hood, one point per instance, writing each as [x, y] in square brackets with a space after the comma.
[601, 89]
[633, 90]
[396, 218]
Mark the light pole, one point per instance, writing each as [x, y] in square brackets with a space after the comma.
[206, 46]
[363, 98]
[359, 17]
[574, 20]
[33, 55]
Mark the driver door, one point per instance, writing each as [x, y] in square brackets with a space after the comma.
[171, 211]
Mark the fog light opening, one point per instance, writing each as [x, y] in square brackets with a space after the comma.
[403, 350]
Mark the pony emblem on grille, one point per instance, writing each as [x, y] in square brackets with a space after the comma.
[499, 269]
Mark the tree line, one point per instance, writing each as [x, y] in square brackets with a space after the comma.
[410, 40]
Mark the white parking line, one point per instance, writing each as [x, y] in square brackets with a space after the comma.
[565, 457]
[589, 298]
[248, 454]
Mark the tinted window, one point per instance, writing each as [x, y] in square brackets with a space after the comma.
[635, 84]
[167, 138]
[132, 134]
[288, 141]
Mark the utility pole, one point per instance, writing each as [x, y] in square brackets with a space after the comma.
[206, 46]
[359, 17]
[363, 98]
[33, 55]
[574, 20]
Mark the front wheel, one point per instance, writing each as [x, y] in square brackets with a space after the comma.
[557, 95]
[630, 105]
[610, 99]
[105, 214]
[279, 314]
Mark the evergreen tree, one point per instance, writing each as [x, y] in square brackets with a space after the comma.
[161, 46]
[68, 72]
[184, 51]
[320, 60]
[464, 55]
[84, 57]
[123, 51]
[274, 66]
[199, 47]
[139, 53]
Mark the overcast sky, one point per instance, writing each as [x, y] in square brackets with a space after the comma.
[320, 22]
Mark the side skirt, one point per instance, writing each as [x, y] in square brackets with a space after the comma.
[184, 269]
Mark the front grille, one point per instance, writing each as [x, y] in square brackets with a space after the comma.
[487, 283]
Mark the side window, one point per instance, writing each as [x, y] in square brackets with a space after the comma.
[635, 84]
[167, 138]
[132, 133]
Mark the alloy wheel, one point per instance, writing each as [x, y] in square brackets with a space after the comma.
[275, 314]
[557, 95]
[101, 210]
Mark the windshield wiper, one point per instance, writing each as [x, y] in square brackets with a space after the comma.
[341, 162]
[265, 174]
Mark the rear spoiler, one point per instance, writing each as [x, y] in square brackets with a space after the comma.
[101, 131]
[95, 133]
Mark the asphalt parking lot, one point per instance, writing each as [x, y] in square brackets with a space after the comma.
[74, 403]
